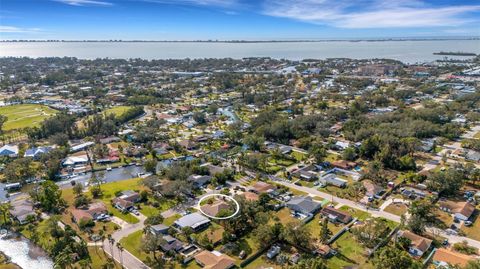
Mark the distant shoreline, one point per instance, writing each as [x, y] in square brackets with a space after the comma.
[240, 41]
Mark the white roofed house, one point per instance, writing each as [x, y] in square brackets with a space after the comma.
[196, 221]
[9, 151]
[36, 152]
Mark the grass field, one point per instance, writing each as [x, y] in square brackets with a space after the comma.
[26, 115]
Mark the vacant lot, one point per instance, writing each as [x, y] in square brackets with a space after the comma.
[28, 115]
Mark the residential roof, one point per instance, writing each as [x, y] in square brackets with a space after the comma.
[9, 150]
[214, 260]
[21, 209]
[443, 255]
[340, 215]
[261, 187]
[418, 241]
[192, 220]
[303, 204]
[214, 208]
[32, 152]
[464, 208]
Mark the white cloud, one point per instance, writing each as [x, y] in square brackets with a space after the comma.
[85, 2]
[370, 13]
[215, 3]
[14, 29]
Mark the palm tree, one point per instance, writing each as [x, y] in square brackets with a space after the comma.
[5, 210]
[120, 249]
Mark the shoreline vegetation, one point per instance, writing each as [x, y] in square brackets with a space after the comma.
[245, 41]
[455, 53]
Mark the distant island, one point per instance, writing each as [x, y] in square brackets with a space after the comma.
[455, 53]
[250, 41]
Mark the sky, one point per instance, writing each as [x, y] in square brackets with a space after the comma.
[236, 19]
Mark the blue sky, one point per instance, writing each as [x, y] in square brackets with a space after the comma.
[236, 19]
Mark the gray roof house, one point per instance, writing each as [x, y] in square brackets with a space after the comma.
[304, 205]
[198, 180]
[196, 221]
[21, 209]
[159, 229]
[171, 243]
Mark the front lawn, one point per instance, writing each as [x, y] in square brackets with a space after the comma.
[396, 208]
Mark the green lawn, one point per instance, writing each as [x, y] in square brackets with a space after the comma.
[397, 209]
[350, 252]
[298, 155]
[359, 214]
[26, 115]
[170, 220]
[99, 257]
[133, 243]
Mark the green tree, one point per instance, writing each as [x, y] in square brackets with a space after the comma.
[325, 232]
[49, 197]
[390, 257]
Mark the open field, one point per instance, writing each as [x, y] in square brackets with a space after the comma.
[26, 115]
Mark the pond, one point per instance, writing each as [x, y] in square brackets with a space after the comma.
[24, 253]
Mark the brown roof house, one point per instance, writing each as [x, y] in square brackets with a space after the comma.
[214, 260]
[95, 211]
[262, 187]
[443, 258]
[335, 215]
[418, 245]
[460, 210]
[215, 208]
[126, 200]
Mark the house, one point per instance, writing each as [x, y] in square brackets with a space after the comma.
[262, 187]
[75, 160]
[21, 209]
[215, 208]
[9, 151]
[418, 245]
[304, 205]
[170, 243]
[122, 205]
[444, 258]
[214, 260]
[372, 189]
[199, 180]
[159, 229]
[324, 251]
[344, 164]
[126, 200]
[460, 210]
[333, 179]
[196, 221]
[335, 215]
[308, 173]
[273, 251]
[188, 144]
[110, 139]
[342, 145]
[472, 155]
[95, 211]
[213, 169]
[35, 153]
[81, 146]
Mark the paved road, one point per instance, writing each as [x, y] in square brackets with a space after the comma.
[124, 257]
